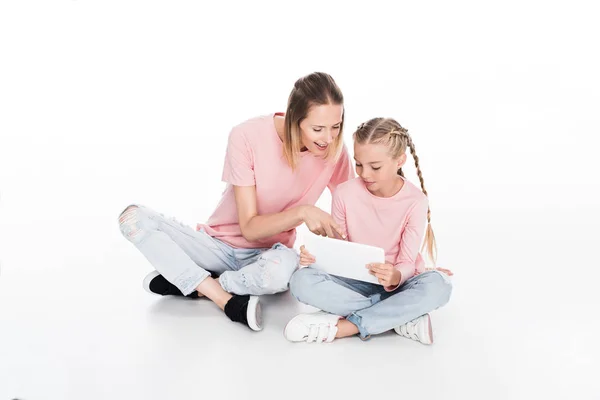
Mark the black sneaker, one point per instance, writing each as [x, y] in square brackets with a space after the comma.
[246, 310]
[155, 283]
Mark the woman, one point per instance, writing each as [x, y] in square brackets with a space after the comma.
[276, 168]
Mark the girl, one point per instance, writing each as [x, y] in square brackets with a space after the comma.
[379, 208]
[276, 167]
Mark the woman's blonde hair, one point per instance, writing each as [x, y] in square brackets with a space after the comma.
[390, 133]
[311, 90]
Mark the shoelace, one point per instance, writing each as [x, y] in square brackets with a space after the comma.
[408, 330]
[321, 333]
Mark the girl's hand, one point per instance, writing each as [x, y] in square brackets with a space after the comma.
[386, 274]
[320, 223]
[305, 257]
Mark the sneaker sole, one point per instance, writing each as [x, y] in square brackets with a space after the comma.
[147, 280]
[254, 314]
[429, 329]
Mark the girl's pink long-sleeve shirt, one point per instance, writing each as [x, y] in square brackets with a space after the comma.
[397, 224]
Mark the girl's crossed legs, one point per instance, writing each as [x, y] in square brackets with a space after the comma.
[367, 308]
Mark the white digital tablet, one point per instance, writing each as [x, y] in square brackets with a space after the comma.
[342, 258]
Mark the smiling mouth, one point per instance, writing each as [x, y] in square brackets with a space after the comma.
[321, 146]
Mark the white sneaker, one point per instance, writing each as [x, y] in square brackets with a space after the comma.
[316, 327]
[254, 314]
[418, 329]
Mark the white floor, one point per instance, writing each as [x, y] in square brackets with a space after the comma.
[107, 103]
[77, 325]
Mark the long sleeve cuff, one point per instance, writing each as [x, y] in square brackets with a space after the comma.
[407, 271]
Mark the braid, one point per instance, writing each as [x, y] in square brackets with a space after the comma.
[411, 146]
[398, 133]
[430, 242]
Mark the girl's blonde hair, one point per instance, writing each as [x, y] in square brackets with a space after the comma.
[311, 90]
[390, 133]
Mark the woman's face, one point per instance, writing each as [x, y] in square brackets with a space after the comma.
[320, 127]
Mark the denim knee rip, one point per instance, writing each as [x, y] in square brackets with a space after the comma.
[265, 277]
[129, 224]
[274, 273]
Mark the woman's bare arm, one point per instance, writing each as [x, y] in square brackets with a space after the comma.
[256, 227]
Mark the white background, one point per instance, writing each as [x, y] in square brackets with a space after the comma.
[107, 103]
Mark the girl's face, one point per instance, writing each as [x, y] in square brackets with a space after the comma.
[377, 169]
[320, 127]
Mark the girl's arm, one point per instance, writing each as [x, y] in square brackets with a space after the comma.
[410, 241]
[338, 212]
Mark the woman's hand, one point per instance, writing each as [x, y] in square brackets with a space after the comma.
[321, 223]
[305, 257]
[386, 274]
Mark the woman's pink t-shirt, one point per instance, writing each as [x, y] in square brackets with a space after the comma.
[397, 223]
[254, 157]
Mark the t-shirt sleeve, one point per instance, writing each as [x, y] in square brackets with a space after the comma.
[338, 212]
[343, 170]
[239, 160]
[411, 239]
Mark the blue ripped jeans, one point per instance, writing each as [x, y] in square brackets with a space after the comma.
[367, 305]
[185, 257]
